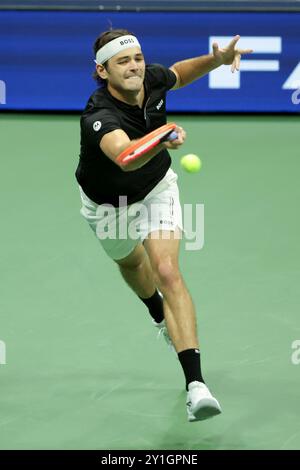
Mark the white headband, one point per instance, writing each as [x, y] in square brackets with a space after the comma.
[114, 47]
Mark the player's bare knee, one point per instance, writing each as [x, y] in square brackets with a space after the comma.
[167, 273]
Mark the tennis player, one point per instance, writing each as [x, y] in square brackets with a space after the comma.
[143, 196]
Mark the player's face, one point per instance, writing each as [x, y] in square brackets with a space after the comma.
[126, 70]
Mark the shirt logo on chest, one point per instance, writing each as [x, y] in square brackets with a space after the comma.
[159, 105]
[97, 126]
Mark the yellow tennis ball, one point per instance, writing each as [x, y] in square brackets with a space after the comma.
[191, 163]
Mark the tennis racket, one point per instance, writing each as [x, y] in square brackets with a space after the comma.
[146, 143]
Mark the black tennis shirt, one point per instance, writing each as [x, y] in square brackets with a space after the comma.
[100, 178]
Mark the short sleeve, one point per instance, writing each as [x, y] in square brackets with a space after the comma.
[160, 76]
[95, 125]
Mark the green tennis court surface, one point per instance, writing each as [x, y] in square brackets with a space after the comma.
[83, 367]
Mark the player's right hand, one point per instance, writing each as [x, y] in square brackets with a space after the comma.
[175, 144]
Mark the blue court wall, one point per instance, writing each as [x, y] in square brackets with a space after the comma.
[46, 60]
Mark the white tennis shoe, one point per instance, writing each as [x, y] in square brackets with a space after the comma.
[162, 331]
[200, 403]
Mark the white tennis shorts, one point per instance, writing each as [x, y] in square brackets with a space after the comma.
[121, 229]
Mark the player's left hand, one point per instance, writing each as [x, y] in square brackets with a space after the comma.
[229, 55]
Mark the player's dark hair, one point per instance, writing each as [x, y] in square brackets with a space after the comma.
[103, 39]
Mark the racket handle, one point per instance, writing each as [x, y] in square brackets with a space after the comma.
[172, 136]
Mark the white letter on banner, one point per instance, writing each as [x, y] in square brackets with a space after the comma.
[293, 81]
[2, 92]
[222, 77]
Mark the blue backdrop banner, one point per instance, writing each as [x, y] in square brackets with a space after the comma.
[46, 59]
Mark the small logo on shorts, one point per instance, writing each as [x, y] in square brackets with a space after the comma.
[169, 222]
[97, 126]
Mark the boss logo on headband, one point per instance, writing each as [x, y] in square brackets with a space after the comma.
[126, 41]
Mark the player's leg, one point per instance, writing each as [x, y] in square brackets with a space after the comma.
[180, 312]
[181, 321]
[165, 217]
[137, 272]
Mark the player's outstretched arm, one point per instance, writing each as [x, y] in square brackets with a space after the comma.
[189, 70]
[115, 142]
